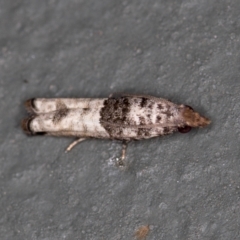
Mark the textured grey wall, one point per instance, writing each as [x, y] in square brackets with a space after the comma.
[185, 186]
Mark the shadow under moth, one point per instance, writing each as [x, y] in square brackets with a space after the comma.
[125, 118]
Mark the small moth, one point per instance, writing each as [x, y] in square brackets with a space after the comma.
[126, 117]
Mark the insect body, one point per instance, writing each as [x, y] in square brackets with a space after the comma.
[129, 117]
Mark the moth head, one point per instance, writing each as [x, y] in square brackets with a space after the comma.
[192, 118]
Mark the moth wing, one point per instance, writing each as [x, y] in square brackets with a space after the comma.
[139, 126]
[155, 99]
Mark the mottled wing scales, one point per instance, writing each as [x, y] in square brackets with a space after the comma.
[46, 105]
[154, 99]
[56, 118]
[137, 117]
[138, 126]
[125, 118]
[61, 112]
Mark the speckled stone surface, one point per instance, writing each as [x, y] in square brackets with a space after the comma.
[184, 186]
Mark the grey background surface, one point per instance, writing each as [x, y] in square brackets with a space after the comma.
[185, 186]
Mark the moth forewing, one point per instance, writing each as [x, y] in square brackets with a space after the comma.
[46, 105]
[156, 125]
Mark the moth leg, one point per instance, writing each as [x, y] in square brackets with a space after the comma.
[121, 162]
[124, 149]
[73, 144]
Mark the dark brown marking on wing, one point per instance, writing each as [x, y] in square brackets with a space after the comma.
[85, 110]
[143, 132]
[60, 114]
[115, 111]
[142, 121]
[159, 106]
[167, 130]
[135, 100]
[168, 113]
[159, 119]
[144, 102]
[150, 105]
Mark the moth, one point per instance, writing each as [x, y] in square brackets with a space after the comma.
[125, 118]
